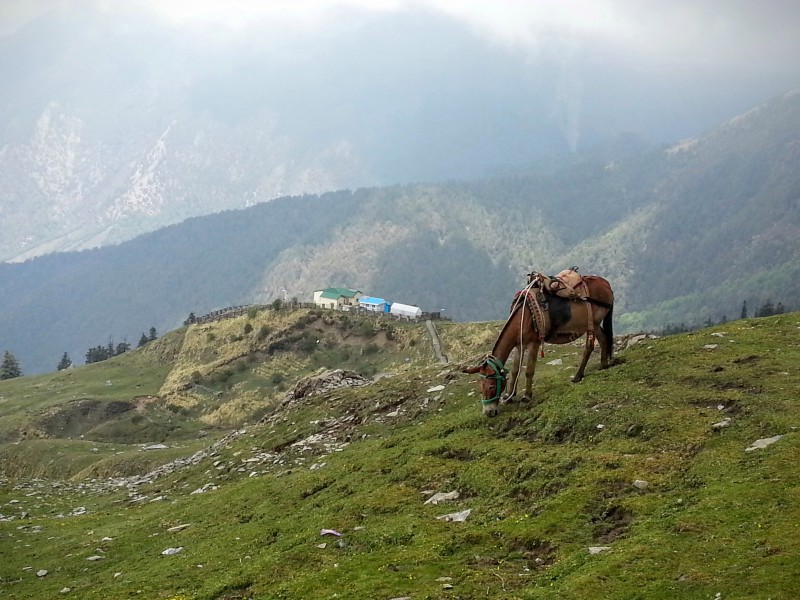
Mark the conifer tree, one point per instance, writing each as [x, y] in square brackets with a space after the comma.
[143, 340]
[65, 362]
[744, 310]
[152, 334]
[9, 369]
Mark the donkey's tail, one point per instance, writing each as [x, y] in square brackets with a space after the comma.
[607, 326]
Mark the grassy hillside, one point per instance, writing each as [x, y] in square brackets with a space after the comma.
[628, 461]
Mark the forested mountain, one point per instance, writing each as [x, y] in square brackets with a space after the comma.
[685, 234]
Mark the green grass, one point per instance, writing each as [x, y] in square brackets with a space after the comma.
[544, 482]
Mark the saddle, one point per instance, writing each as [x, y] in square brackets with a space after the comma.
[567, 284]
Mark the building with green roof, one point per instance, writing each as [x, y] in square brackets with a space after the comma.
[337, 298]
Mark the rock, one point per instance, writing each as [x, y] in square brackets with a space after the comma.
[598, 549]
[94, 558]
[155, 447]
[172, 551]
[710, 346]
[722, 424]
[442, 497]
[41, 573]
[763, 443]
[436, 388]
[178, 528]
[555, 362]
[641, 484]
[65, 590]
[458, 517]
[319, 384]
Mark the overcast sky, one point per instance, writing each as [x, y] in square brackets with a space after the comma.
[750, 33]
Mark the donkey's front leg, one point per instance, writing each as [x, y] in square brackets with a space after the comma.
[587, 352]
[530, 369]
[513, 377]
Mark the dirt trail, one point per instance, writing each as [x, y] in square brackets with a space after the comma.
[437, 344]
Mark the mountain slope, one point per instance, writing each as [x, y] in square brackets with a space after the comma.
[327, 494]
[685, 234]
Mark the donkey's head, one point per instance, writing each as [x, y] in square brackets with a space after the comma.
[493, 382]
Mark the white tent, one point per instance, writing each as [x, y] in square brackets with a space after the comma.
[405, 310]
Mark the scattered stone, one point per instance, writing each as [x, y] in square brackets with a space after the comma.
[598, 549]
[624, 342]
[442, 497]
[156, 447]
[436, 388]
[41, 573]
[763, 443]
[172, 551]
[710, 346]
[94, 558]
[555, 362]
[178, 528]
[322, 546]
[722, 424]
[444, 579]
[641, 484]
[65, 590]
[457, 517]
[319, 384]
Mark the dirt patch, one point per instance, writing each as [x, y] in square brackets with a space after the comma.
[611, 523]
[80, 416]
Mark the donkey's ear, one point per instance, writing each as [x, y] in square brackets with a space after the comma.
[471, 370]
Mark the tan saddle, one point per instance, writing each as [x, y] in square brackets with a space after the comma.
[567, 284]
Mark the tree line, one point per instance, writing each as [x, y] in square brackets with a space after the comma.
[10, 367]
[768, 309]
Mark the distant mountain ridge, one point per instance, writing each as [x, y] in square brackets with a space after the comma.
[685, 234]
[111, 127]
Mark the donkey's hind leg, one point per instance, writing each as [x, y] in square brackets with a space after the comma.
[602, 340]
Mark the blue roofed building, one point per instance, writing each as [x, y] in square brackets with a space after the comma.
[372, 304]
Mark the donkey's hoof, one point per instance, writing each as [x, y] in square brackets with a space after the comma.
[577, 379]
[526, 399]
[508, 399]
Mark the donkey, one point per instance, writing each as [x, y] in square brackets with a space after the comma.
[537, 318]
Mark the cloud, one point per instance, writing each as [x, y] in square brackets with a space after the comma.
[707, 32]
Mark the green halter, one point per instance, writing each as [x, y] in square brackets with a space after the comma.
[499, 376]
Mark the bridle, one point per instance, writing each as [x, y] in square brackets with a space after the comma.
[499, 376]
